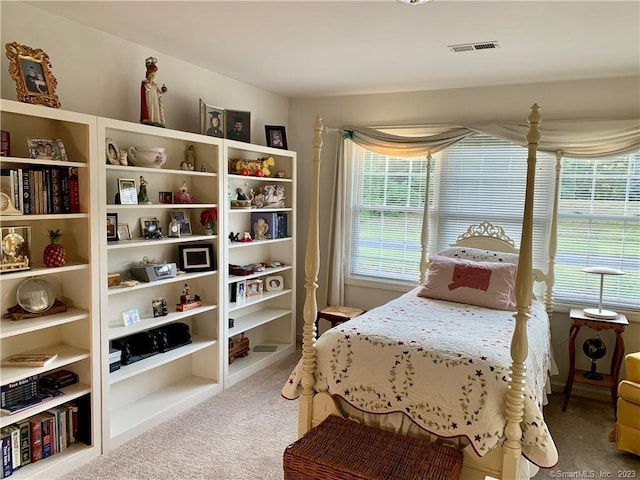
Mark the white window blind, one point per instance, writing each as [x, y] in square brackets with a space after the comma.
[599, 225]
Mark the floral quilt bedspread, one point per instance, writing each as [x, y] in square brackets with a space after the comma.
[444, 365]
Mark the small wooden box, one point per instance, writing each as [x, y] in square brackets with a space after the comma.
[113, 279]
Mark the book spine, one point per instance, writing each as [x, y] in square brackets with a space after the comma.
[26, 193]
[5, 446]
[35, 424]
[74, 190]
[48, 190]
[25, 442]
[14, 433]
[47, 435]
[56, 194]
[20, 190]
[64, 190]
[15, 190]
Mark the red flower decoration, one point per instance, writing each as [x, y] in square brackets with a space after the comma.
[209, 217]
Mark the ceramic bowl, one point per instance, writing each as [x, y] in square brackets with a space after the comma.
[151, 157]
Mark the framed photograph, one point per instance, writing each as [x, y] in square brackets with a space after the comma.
[30, 68]
[159, 306]
[127, 191]
[130, 317]
[123, 232]
[273, 283]
[254, 287]
[112, 226]
[182, 216]
[238, 125]
[47, 149]
[196, 257]
[240, 291]
[150, 227]
[165, 197]
[211, 120]
[113, 155]
[276, 136]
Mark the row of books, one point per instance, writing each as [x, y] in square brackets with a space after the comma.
[42, 190]
[38, 437]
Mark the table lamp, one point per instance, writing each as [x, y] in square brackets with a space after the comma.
[599, 312]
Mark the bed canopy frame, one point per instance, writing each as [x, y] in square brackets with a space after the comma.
[506, 461]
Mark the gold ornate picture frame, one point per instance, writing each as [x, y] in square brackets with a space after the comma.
[31, 70]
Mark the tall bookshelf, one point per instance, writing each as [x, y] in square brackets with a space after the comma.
[145, 393]
[73, 334]
[267, 319]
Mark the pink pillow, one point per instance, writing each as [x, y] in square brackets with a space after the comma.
[485, 284]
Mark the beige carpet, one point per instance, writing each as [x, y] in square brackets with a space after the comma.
[241, 433]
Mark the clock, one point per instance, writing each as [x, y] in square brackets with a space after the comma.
[14, 250]
[6, 205]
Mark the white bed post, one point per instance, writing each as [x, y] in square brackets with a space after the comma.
[310, 311]
[424, 237]
[512, 456]
[553, 239]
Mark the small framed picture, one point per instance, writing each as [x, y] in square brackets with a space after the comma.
[123, 231]
[196, 257]
[47, 149]
[254, 287]
[240, 291]
[127, 191]
[112, 152]
[276, 136]
[130, 317]
[238, 125]
[211, 120]
[159, 307]
[273, 283]
[30, 68]
[182, 216]
[165, 197]
[112, 226]
[150, 227]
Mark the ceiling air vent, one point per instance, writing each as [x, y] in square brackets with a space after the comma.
[469, 47]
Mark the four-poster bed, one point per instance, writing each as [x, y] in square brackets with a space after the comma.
[458, 371]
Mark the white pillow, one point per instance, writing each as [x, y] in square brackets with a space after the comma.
[485, 284]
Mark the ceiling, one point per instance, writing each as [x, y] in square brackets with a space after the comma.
[310, 48]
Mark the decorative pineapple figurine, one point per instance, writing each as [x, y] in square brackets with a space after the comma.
[54, 254]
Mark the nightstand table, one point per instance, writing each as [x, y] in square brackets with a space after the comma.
[576, 375]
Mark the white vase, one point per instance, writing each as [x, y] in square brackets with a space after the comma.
[208, 231]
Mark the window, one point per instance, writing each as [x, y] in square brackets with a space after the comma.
[599, 225]
[483, 178]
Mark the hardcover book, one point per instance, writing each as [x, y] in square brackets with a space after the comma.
[29, 360]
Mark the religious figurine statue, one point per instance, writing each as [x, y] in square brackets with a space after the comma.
[260, 229]
[189, 159]
[151, 104]
[143, 194]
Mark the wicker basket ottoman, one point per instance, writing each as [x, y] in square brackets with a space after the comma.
[340, 449]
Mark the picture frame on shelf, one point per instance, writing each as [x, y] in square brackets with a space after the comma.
[150, 227]
[123, 231]
[182, 216]
[254, 287]
[165, 197]
[273, 283]
[238, 125]
[211, 120]
[241, 290]
[31, 69]
[47, 149]
[196, 257]
[112, 152]
[276, 136]
[112, 227]
[130, 317]
[127, 191]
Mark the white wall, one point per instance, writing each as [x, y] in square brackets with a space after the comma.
[100, 74]
[608, 99]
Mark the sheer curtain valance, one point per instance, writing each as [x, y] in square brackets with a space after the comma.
[574, 138]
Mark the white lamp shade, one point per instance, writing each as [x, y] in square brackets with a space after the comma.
[600, 312]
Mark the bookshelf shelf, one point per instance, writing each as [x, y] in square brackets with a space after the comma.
[73, 334]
